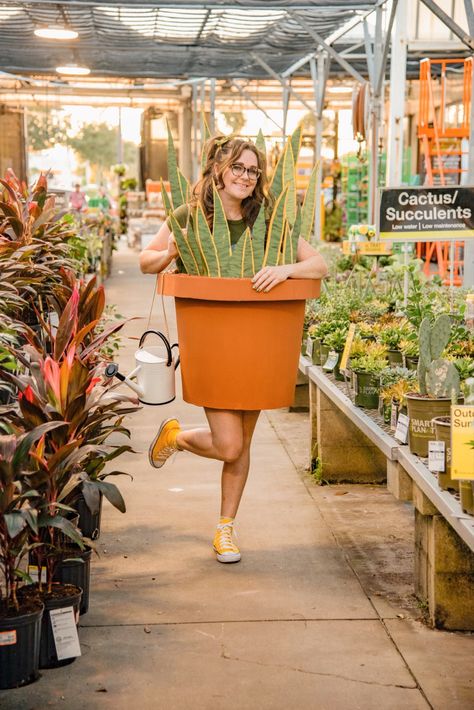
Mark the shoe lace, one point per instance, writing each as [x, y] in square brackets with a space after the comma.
[166, 451]
[225, 531]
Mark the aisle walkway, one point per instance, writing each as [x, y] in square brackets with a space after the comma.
[304, 621]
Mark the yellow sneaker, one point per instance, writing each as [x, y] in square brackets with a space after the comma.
[226, 549]
[164, 444]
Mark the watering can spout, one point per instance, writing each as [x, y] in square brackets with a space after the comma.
[112, 371]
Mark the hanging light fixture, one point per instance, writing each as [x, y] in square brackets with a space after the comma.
[56, 32]
[73, 70]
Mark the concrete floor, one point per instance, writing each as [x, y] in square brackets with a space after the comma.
[319, 614]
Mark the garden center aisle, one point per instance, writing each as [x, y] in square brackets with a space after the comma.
[292, 626]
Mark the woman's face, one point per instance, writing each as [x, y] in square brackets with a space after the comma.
[241, 186]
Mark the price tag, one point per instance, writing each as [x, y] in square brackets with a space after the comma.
[33, 573]
[65, 634]
[401, 432]
[347, 346]
[8, 638]
[331, 362]
[436, 460]
[309, 347]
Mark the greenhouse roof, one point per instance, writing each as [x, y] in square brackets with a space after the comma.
[173, 38]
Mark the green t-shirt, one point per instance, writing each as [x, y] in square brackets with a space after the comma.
[236, 226]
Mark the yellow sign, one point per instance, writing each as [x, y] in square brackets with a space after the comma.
[462, 441]
[368, 248]
[347, 347]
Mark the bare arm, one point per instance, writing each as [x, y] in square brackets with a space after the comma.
[159, 253]
[309, 265]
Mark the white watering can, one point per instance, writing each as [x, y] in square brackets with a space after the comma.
[154, 371]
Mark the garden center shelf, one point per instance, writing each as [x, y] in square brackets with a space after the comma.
[353, 447]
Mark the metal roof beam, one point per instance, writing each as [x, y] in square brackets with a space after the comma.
[470, 15]
[340, 60]
[200, 4]
[449, 22]
[284, 83]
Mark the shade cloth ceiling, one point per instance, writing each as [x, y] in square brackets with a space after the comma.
[184, 39]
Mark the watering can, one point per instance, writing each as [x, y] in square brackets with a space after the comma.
[154, 371]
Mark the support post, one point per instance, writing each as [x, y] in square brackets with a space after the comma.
[185, 125]
[195, 133]
[319, 74]
[212, 115]
[468, 279]
[398, 63]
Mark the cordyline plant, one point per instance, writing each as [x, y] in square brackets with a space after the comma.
[34, 241]
[208, 252]
[18, 515]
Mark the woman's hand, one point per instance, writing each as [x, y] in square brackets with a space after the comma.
[270, 276]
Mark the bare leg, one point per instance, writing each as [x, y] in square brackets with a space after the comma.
[223, 441]
[235, 473]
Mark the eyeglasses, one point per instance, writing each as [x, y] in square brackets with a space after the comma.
[238, 170]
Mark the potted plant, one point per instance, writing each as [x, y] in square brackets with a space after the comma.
[336, 340]
[367, 369]
[391, 336]
[20, 620]
[438, 382]
[241, 347]
[410, 351]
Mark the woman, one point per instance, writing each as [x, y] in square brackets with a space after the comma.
[237, 168]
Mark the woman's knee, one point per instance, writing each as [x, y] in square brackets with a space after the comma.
[229, 449]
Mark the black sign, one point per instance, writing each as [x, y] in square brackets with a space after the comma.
[426, 213]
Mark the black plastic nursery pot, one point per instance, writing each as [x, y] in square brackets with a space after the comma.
[62, 597]
[421, 412]
[316, 359]
[442, 426]
[395, 358]
[337, 372]
[20, 647]
[323, 352]
[367, 389]
[466, 491]
[89, 522]
[411, 363]
[75, 569]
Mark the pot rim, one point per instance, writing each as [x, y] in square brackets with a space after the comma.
[207, 288]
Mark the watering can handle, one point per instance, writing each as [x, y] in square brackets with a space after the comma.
[175, 345]
[164, 339]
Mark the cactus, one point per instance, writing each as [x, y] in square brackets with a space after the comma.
[437, 377]
[208, 252]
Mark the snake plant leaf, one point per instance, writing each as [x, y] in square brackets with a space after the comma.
[260, 142]
[241, 264]
[177, 195]
[195, 247]
[184, 186]
[206, 131]
[221, 230]
[166, 198]
[276, 184]
[276, 230]
[207, 243]
[290, 243]
[307, 214]
[289, 181]
[295, 142]
[185, 253]
[259, 232]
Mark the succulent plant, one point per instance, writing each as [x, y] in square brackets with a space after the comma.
[207, 252]
[437, 377]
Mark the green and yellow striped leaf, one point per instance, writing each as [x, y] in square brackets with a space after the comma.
[220, 230]
[184, 187]
[207, 244]
[276, 231]
[260, 142]
[195, 247]
[259, 232]
[248, 260]
[295, 140]
[241, 263]
[289, 181]
[307, 214]
[177, 195]
[290, 246]
[185, 253]
[166, 200]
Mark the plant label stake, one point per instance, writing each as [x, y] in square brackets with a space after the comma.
[154, 371]
[401, 432]
[436, 456]
[65, 634]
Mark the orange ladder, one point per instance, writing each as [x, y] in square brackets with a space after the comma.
[441, 136]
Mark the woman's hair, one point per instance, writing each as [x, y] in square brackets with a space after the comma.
[221, 152]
